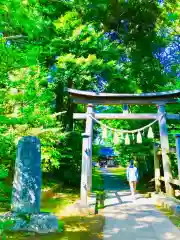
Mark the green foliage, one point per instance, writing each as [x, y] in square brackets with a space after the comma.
[98, 189]
[139, 25]
[27, 110]
[70, 148]
[60, 226]
[5, 190]
[174, 165]
[84, 52]
[25, 217]
[5, 225]
[3, 171]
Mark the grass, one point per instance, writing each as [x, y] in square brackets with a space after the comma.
[98, 188]
[97, 181]
[76, 228]
[119, 171]
[56, 199]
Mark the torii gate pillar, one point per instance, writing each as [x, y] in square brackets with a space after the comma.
[178, 152]
[86, 171]
[157, 169]
[165, 149]
[89, 132]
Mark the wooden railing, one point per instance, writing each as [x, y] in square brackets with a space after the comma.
[172, 181]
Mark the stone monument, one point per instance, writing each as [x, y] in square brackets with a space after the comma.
[25, 206]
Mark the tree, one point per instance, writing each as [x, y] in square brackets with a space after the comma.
[84, 56]
[25, 95]
[105, 45]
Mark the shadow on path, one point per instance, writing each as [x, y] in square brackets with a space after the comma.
[127, 220]
[112, 182]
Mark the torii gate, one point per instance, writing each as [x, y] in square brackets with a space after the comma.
[91, 99]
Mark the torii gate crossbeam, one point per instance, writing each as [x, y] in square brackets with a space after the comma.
[140, 116]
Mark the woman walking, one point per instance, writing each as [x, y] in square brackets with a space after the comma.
[132, 177]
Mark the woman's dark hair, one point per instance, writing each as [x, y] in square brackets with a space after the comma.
[131, 162]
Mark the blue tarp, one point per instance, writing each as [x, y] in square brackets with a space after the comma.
[107, 151]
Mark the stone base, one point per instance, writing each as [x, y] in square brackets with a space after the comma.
[38, 223]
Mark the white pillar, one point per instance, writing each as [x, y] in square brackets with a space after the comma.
[165, 149]
[89, 132]
[84, 169]
[125, 109]
[156, 169]
[178, 152]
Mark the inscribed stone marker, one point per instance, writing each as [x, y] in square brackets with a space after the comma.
[27, 179]
[27, 190]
